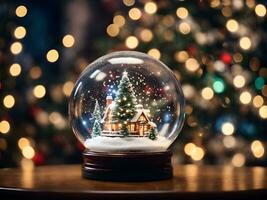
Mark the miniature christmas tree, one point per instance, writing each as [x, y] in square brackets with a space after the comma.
[152, 134]
[97, 120]
[125, 101]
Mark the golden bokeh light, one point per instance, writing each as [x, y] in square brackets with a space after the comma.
[245, 97]
[207, 93]
[131, 42]
[188, 148]
[239, 81]
[191, 64]
[146, 35]
[67, 88]
[119, 20]
[21, 11]
[128, 2]
[150, 7]
[4, 127]
[182, 13]
[113, 30]
[68, 40]
[9, 101]
[181, 56]
[28, 152]
[52, 55]
[238, 160]
[245, 43]
[39, 91]
[184, 28]
[257, 148]
[23, 142]
[228, 128]
[263, 112]
[258, 101]
[135, 13]
[16, 48]
[197, 154]
[155, 53]
[232, 25]
[260, 10]
[20, 32]
[35, 72]
[15, 69]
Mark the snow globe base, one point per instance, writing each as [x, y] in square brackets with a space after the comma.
[130, 166]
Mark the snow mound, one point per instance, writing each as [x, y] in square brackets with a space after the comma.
[104, 144]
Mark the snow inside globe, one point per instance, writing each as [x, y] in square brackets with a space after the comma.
[127, 101]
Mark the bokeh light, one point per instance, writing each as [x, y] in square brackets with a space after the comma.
[39, 91]
[191, 64]
[257, 148]
[15, 69]
[113, 30]
[232, 25]
[207, 93]
[20, 32]
[52, 55]
[245, 43]
[245, 97]
[182, 13]
[150, 7]
[263, 112]
[68, 40]
[131, 42]
[21, 11]
[155, 53]
[9, 101]
[238, 160]
[28, 152]
[239, 81]
[228, 128]
[4, 126]
[135, 13]
[23, 142]
[260, 10]
[16, 48]
[218, 86]
[258, 101]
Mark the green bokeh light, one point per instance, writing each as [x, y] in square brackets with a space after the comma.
[259, 83]
[218, 86]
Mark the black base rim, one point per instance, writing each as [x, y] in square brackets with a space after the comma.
[134, 166]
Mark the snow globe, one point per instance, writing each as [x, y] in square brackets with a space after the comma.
[127, 108]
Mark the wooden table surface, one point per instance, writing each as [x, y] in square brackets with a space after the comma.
[189, 182]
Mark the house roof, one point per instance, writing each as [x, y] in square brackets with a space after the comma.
[139, 113]
[110, 107]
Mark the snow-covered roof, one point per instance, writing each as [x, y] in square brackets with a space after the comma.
[110, 107]
[139, 113]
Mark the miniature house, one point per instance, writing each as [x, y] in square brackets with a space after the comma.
[139, 125]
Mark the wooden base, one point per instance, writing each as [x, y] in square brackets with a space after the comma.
[134, 166]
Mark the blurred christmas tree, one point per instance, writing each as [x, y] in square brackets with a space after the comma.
[215, 48]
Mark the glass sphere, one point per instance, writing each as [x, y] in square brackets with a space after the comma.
[126, 101]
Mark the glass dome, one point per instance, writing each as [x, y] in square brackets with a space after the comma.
[126, 101]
